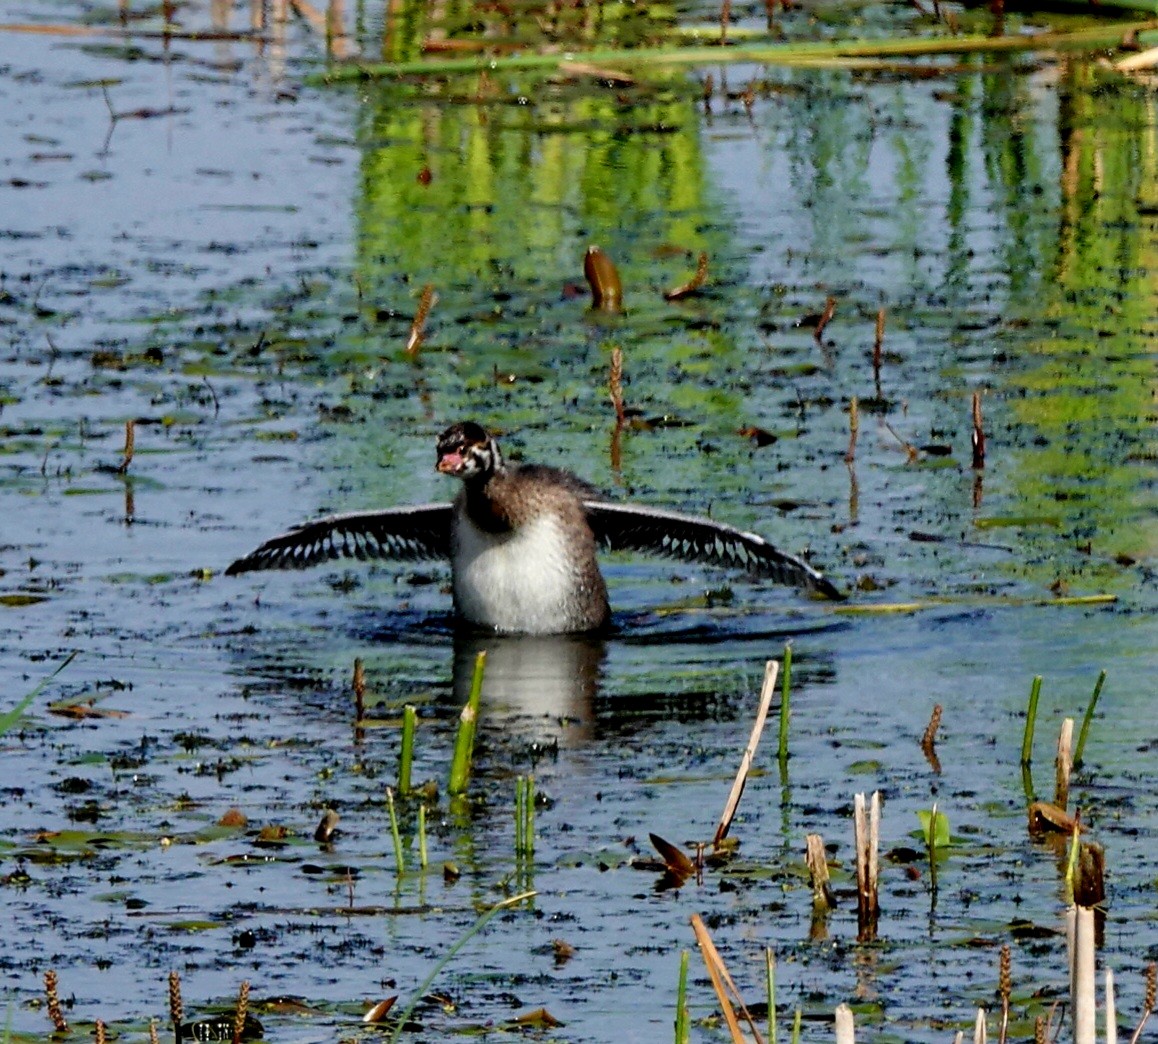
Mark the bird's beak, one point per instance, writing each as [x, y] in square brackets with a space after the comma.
[450, 463]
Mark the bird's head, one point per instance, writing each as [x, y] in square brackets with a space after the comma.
[467, 452]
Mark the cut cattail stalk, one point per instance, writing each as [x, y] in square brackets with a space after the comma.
[878, 345]
[1004, 990]
[771, 669]
[425, 303]
[1065, 763]
[130, 442]
[978, 433]
[867, 833]
[693, 284]
[929, 739]
[1110, 1009]
[723, 985]
[817, 860]
[1082, 1002]
[359, 684]
[615, 386]
[853, 428]
[845, 1026]
[603, 278]
[825, 318]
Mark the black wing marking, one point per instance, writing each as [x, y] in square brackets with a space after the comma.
[408, 534]
[624, 527]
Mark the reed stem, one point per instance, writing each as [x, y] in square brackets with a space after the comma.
[467, 725]
[1085, 730]
[785, 690]
[682, 1027]
[399, 862]
[422, 859]
[406, 756]
[1030, 721]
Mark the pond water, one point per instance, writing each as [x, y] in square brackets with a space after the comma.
[199, 237]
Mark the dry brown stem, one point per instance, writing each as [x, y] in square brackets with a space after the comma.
[978, 433]
[425, 303]
[722, 983]
[771, 670]
[825, 318]
[693, 284]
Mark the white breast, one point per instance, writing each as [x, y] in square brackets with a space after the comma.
[523, 581]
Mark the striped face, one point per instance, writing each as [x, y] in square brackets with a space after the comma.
[466, 451]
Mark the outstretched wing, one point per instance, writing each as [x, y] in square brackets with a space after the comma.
[623, 527]
[408, 534]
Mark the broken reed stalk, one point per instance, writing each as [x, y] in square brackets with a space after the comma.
[422, 859]
[771, 668]
[693, 284]
[825, 318]
[359, 685]
[1064, 764]
[817, 860]
[406, 755]
[853, 428]
[845, 1025]
[785, 705]
[866, 829]
[467, 725]
[242, 1011]
[770, 981]
[1004, 990]
[417, 328]
[978, 437]
[52, 997]
[1030, 721]
[1148, 1004]
[1089, 715]
[507, 904]
[683, 1033]
[722, 983]
[1082, 992]
[615, 386]
[395, 835]
[980, 1034]
[130, 443]
[929, 739]
[603, 278]
[878, 345]
[931, 847]
[525, 816]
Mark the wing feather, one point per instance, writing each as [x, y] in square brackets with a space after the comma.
[409, 534]
[624, 527]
